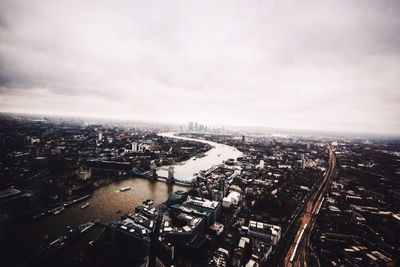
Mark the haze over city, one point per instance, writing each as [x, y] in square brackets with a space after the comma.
[318, 65]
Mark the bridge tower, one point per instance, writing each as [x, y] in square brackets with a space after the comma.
[171, 178]
[154, 173]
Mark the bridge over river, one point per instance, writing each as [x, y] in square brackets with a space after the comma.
[106, 203]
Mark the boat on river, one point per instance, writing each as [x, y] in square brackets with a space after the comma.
[125, 189]
[85, 205]
[57, 210]
[39, 216]
[82, 228]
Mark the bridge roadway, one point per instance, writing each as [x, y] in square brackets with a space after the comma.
[297, 253]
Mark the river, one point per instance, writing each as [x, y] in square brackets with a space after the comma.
[216, 155]
[24, 237]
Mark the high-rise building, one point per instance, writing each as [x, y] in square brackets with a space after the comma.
[134, 147]
[261, 165]
[260, 230]
[84, 174]
[141, 147]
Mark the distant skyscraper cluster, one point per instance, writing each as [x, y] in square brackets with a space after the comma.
[195, 127]
[200, 128]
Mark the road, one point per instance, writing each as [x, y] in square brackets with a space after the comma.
[297, 253]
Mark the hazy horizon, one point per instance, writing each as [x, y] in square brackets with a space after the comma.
[238, 129]
[318, 66]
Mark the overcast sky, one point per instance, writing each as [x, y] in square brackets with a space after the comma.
[320, 65]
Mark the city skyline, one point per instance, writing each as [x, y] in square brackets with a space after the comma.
[307, 66]
[102, 194]
[199, 133]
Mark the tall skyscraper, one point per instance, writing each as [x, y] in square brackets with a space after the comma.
[134, 147]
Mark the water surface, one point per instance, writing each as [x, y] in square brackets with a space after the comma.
[186, 169]
[24, 237]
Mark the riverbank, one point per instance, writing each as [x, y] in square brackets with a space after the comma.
[24, 237]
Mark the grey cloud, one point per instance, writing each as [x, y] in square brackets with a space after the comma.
[324, 65]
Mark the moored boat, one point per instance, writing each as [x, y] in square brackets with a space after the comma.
[125, 189]
[85, 205]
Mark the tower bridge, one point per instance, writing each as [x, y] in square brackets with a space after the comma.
[170, 178]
